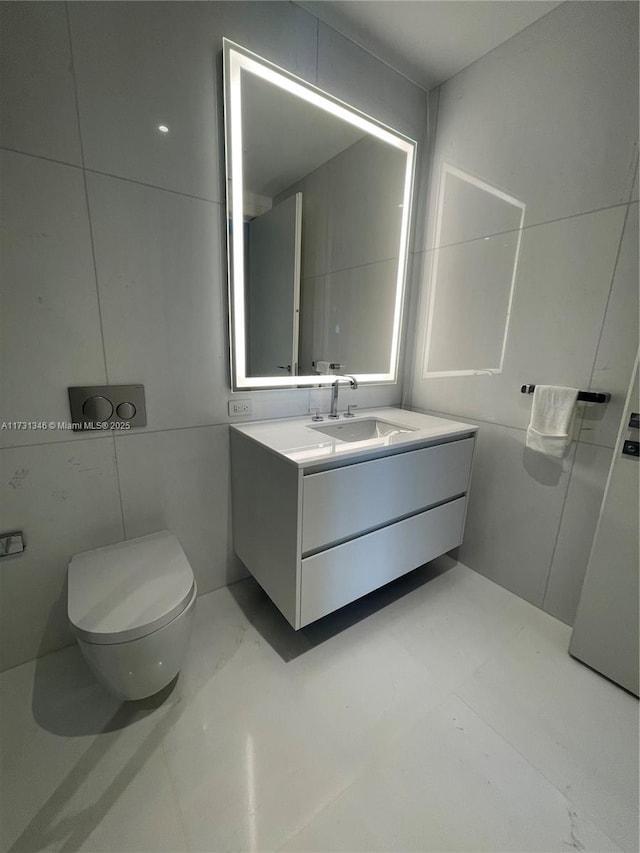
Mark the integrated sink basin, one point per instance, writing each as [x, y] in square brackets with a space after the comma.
[362, 429]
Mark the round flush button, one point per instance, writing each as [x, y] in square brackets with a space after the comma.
[97, 409]
[126, 411]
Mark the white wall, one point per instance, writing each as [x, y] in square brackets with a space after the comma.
[114, 271]
[551, 118]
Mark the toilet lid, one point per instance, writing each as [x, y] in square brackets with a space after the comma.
[125, 591]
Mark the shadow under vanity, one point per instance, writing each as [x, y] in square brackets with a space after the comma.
[320, 521]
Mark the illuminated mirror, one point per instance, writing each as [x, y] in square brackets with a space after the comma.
[318, 211]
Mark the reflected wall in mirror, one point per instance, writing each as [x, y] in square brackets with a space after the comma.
[319, 203]
[472, 277]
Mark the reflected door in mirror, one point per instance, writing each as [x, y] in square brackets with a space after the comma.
[273, 288]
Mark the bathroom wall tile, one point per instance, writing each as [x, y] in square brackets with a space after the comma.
[470, 209]
[287, 403]
[423, 176]
[551, 115]
[37, 97]
[140, 65]
[561, 290]
[282, 33]
[161, 275]
[618, 343]
[473, 286]
[357, 77]
[579, 518]
[64, 497]
[560, 296]
[514, 510]
[50, 325]
[179, 480]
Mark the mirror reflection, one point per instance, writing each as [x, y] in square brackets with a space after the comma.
[319, 202]
[472, 277]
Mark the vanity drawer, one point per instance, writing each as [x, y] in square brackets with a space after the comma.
[339, 575]
[344, 502]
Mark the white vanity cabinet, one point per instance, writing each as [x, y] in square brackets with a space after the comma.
[319, 524]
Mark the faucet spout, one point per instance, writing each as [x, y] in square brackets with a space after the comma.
[353, 382]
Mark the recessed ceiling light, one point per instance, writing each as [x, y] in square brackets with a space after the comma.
[163, 128]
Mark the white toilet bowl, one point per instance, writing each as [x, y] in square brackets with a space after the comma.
[131, 607]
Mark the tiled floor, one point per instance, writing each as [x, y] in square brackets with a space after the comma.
[441, 713]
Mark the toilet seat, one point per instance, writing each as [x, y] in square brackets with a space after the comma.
[126, 591]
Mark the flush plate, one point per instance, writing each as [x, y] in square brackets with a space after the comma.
[117, 407]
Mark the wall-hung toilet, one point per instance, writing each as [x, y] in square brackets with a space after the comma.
[131, 607]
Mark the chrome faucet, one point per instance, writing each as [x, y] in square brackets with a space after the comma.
[353, 382]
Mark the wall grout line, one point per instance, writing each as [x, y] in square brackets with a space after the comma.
[414, 336]
[634, 179]
[369, 52]
[118, 486]
[527, 227]
[40, 157]
[154, 186]
[415, 251]
[93, 255]
[86, 194]
[557, 536]
[110, 175]
[606, 307]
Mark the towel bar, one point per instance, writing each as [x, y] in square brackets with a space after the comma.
[583, 396]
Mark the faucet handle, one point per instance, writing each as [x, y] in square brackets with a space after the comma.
[317, 416]
[349, 413]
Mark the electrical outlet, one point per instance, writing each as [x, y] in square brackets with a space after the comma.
[240, 408]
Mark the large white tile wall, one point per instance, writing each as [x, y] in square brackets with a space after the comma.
[549, 117]
[114, 270]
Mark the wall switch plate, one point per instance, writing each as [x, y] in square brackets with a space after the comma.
[240, 408]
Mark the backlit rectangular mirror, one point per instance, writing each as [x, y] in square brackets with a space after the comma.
[318, 212]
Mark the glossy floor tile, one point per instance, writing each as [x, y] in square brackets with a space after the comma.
[440, 713]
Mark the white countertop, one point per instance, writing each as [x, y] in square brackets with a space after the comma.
[295, 439]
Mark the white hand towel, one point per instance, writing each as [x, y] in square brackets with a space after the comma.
[551, 418]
